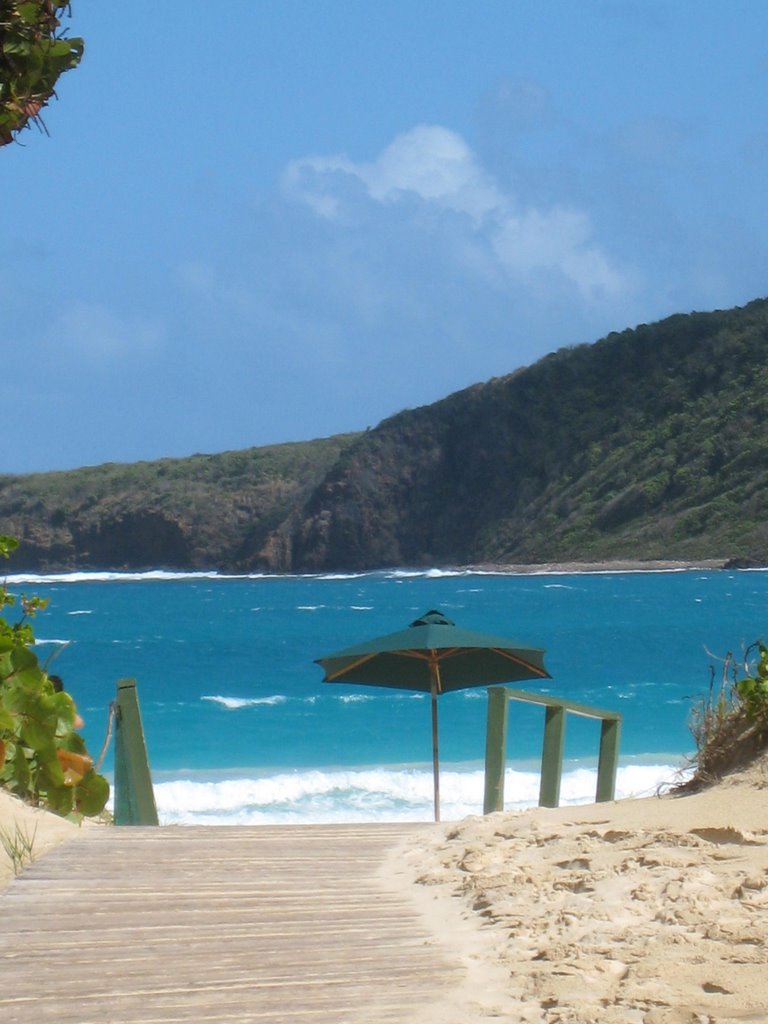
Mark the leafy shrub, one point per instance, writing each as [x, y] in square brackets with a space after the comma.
[42, 759]
[34, 52]
[753, 689]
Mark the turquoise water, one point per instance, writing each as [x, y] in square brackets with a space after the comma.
[240, 726]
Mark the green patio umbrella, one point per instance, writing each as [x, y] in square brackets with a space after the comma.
[435, 656]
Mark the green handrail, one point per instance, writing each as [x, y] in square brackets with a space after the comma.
[552, 748]
[134, 796]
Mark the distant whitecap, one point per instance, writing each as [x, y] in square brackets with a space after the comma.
[235, 703]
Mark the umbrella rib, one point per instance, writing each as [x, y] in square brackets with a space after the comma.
[332, 676]
[521, 661]
[451, 651]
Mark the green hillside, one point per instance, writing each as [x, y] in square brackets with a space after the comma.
[651, 443]
[202, 512]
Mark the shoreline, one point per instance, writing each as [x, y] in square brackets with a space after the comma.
[618, 565]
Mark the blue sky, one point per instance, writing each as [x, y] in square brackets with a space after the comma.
[263, 221]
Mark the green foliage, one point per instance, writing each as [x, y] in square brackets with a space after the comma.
[753, 688]
[649, 444]
[34, 52]
[42, 759]
[205, 511]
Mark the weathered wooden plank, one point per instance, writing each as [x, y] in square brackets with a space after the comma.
[143, 926]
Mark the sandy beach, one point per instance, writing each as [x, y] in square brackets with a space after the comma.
[647, 910]
[41, 829]
[650, 911]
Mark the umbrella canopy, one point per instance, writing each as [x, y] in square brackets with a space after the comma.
[434, 655]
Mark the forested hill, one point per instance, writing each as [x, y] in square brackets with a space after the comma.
[651, 443]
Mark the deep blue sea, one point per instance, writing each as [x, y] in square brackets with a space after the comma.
[240, 727]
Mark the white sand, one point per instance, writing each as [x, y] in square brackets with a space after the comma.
[43, 830]
[651, 911]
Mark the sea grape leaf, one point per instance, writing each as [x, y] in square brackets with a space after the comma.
[92, 794]
[61, 799]
[38, 737]
[64, 708]
[23, 659]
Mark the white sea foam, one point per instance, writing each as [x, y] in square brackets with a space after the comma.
[43, 640]
[235, 703]
[429, 574]
[392, 574]
[81, 611]
[129, 577]
[108, 577]
[376, 794]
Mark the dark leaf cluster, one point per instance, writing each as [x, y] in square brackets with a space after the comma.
[34, 53]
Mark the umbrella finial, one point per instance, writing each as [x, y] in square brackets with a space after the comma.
[433, 618]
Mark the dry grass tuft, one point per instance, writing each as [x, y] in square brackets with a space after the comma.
[730, 731]
[19, 846]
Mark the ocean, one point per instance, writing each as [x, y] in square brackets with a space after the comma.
[241, 729]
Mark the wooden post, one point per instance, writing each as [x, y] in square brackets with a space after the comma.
[435, 758]
[608, 759]
[436, 687]
[134, 796]
[552, 757]
[495, 750]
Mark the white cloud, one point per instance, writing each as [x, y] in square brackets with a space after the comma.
[558, 240]
[435, 167]
[430, 162]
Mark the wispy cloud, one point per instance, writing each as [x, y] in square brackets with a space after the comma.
[432, 169]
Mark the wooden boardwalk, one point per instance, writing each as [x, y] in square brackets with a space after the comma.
[291, 924]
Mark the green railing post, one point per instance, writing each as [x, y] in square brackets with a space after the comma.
[134, 796]
[552, 750]
[608, 759]
[552, 757]
[495, 750]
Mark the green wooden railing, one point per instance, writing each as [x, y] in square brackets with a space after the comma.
[134, 802]
[552, 748]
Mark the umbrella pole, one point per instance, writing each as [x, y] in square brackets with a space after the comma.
[435, 679]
